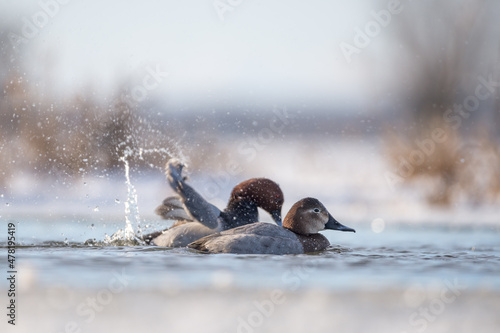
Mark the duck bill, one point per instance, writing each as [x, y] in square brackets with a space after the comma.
[276, 214]
[333, 224]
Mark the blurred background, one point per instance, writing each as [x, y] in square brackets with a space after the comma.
[384, 107]
[388, 112]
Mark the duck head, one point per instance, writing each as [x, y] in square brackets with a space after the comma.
[309, 216]
[263, 193]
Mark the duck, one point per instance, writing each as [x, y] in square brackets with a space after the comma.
[299, 233]
[197, 218]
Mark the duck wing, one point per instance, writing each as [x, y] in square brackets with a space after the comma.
[195, 205]
[172, 209]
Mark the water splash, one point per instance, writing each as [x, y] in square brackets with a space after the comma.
[132, 233]
[132, 216]
[165, 151]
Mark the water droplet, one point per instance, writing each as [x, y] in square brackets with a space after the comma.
[96, 209]
[117, 201]
[7, 204]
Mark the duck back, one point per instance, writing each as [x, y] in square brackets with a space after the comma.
[255, 238]
[182, 235]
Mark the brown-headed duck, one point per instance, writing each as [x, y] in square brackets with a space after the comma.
[299, 233]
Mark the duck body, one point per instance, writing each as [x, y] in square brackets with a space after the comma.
[299, 233]
[198, 218]
[182, 234]
[255, 238]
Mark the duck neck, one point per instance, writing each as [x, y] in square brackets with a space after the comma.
[313, 242]
[239, 213]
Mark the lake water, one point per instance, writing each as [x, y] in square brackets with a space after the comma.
[399, 278]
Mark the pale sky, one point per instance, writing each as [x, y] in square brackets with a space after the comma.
[263, 52]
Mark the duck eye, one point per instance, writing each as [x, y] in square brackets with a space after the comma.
[316, 210]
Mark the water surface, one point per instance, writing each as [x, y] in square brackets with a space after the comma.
[395, 273]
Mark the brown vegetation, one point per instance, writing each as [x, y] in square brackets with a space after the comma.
[451, 170]
[446, 57]
[76, 136]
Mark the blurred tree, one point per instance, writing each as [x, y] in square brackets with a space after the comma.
[444, 51]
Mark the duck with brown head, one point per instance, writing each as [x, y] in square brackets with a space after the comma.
[247, 196]
[299, 233]
[198, 218]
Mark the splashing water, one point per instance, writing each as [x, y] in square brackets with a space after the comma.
[128, 236]
[132, 216]
[141, 152]
[132, 233]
